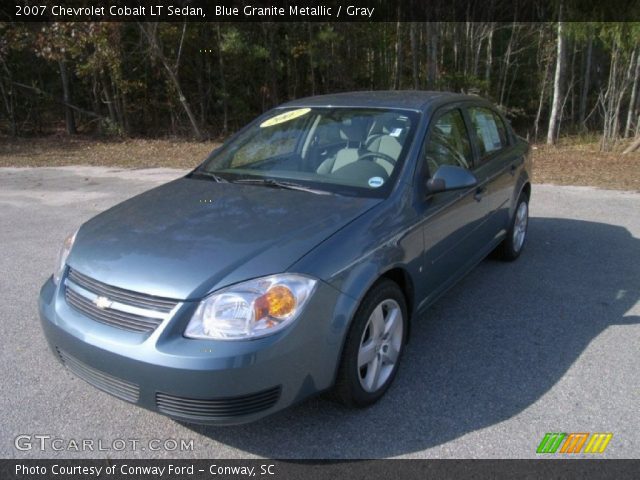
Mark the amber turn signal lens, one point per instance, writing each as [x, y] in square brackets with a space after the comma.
[278, 302]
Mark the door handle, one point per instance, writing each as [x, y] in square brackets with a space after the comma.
[513, 168]
[480, 192]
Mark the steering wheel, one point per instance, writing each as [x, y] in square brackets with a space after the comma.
[381, 155]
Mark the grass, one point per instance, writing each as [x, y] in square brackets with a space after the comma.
[569, 163]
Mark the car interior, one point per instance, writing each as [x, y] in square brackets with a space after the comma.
[359, 147]
[344, 146]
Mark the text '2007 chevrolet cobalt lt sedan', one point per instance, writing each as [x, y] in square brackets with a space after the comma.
[293, 259]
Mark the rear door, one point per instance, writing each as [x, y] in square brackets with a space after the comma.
[495, 166]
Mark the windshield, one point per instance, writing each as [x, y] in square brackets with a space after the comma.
[352, 151]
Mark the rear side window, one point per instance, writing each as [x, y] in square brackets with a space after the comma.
[491, 133]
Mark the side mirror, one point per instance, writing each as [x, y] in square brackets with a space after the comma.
[450, 177]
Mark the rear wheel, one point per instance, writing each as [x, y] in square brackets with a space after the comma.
[512, 245]
[373, 347]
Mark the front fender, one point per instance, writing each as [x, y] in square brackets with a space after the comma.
[385, 238]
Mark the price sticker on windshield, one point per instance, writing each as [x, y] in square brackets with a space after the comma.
[285, 117]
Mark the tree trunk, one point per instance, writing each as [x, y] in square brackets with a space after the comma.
[397, 68]
[432, 48]
[150, 33]
[507, 63]
[108, 100]
[543, 87]
[558, 83]
[572, 116]
[414, 55]
[626, 81]
[585, 83]
[608, 100]
[268, 28]
[489, 62]
[69, 118]
[223, 84]
[477, 53]
[631, 113]
[7, 96]
[311, 60]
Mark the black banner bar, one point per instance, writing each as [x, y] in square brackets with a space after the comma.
[333, 470]
[319, 11]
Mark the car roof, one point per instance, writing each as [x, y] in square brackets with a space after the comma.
[403, 99]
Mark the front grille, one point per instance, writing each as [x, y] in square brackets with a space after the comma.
[210, 409]
[127, 310]
[112, 385]
[121, 295]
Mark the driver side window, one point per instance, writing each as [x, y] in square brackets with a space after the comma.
[448, 143]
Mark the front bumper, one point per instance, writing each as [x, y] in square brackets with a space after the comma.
[202, 381]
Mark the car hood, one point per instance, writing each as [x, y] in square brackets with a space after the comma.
[189, 237]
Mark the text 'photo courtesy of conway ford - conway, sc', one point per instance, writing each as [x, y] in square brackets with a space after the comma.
[293, 260]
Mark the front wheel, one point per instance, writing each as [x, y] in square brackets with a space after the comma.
[512, 245]
[373, 347]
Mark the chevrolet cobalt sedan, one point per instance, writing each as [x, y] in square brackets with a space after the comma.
[294, 260]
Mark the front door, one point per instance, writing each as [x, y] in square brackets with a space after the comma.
[451, 219]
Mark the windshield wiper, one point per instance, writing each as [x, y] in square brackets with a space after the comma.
[212, 176]
[270, 182]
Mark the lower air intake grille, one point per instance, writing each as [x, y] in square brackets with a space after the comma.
[119, 388]
[209, 409]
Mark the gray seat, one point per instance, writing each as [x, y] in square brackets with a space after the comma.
[343, 157]
[352, 133]
[387, 145]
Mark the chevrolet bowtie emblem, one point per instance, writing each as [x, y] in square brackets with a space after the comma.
[103, 302]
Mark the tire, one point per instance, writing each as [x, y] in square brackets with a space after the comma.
[512, 246]
[361, 384]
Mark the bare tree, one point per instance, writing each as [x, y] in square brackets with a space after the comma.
[150, 32]
[631, 113]
[558, 84]
[432, 53]
[489, 55]
[611, 100]
[397, 68]
[223, 82]
[8, 97]
[414, 54]
[69, 118]
[585, 82]
[544, 59]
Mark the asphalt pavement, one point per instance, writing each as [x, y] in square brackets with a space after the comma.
[550, 343]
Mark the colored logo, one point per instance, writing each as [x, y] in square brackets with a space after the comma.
[573, 442]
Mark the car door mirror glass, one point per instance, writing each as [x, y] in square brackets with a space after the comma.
[450, 177]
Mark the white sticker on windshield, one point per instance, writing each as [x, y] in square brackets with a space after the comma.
[375, 182]
[396, 132]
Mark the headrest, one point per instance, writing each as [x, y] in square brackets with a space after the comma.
[353, 129]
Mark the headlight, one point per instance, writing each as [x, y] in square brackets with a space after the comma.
[251, 309]
[62, 257]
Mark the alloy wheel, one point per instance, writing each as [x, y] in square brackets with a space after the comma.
[520, 226]
[380, 345]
